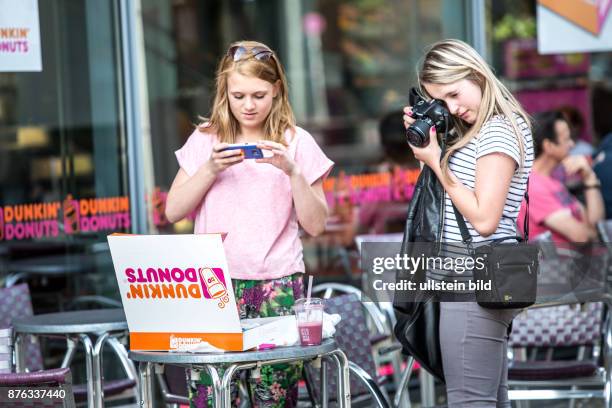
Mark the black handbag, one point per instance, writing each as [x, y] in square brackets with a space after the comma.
[510, 267]
[418, 316]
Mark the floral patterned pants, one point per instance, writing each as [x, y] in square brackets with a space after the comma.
[277, 386]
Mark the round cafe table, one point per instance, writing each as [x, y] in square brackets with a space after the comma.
[233, 362]
[93, 328]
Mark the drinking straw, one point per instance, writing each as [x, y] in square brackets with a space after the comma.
[309, 289]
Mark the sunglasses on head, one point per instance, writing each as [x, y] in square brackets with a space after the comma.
[238, 52]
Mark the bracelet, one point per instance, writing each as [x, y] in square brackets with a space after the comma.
[586, 187]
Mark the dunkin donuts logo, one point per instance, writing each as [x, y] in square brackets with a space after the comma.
[177, 283]
[69, 216]
[177, 343]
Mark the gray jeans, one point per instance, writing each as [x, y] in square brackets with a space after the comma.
[474, 343]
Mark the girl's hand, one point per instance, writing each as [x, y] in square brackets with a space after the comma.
[408, 120]
[222, 159]
[430, 154]
[280, 158]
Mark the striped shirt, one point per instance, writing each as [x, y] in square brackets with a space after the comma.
[496, 136]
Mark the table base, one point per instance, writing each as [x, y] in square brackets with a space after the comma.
[221, 385]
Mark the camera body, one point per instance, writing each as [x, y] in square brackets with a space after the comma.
[426, 115]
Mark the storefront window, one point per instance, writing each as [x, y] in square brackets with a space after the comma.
[577, 80]
[62, 163]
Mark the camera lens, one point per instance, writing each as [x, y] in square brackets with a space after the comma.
[418, 133]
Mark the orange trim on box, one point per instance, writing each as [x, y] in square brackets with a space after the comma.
[578, 12]
[161, 341]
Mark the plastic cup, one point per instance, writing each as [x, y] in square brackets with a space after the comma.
[309, 315]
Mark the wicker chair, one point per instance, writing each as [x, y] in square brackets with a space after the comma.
[57, 382]
[579, 330]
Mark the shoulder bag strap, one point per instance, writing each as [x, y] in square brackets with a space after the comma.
[465, 234]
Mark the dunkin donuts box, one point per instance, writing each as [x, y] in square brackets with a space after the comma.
[177, 294]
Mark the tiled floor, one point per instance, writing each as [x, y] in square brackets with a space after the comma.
[416, 404]
[534, 404]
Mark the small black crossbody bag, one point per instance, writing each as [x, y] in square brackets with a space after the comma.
[510, 267]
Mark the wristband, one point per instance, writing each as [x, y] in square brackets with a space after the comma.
[597, 185]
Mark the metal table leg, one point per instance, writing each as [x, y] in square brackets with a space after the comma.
[324, 393]
[428, 390]
[344, 386]
[226, 385]
[97, 369]
[20, 353]
[121, 352]
[91, 389]
[146, 392]
[402, 399]
[71, 345]
[218, 397]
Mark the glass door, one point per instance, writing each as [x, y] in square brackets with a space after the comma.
[63, 180]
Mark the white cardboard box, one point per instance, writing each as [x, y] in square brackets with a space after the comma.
[177, 292]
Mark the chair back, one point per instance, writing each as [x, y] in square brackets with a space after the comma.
[570, 269]
[392, 237]
[353, 338]
[6, 350]
[558, 326]
[16, 302]
[57, 380]
[377, 320]
[604, 228]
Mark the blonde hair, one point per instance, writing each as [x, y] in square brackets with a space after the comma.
[223, 122]
[449, 61]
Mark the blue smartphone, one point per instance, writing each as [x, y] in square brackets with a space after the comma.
[250, 150]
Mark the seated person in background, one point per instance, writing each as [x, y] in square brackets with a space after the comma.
[551, 206]
[389, 216]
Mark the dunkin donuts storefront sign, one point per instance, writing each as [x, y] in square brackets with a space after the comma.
[68, 217]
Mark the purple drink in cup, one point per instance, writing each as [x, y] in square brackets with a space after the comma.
[309, 315]
[310, 333]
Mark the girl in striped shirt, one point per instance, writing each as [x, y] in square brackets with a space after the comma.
[484, 174]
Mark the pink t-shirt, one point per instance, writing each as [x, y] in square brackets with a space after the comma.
[253, 203]
[546, 196]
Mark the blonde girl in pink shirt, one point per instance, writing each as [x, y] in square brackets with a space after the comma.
[260, 203]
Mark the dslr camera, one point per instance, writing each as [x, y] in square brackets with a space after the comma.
[427, 114]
